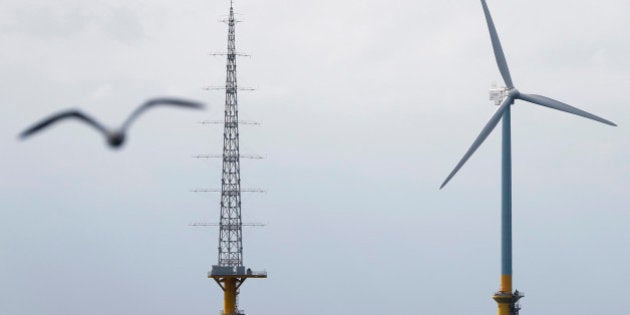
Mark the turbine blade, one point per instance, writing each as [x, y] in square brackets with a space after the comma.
[492, 123]
[498, 50]
[551, 103]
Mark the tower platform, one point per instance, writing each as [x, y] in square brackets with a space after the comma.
[219, 272]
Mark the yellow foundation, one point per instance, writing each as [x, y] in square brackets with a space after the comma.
[504, 297]
[504, 309]
[229, 296]
[506, 283]
[230, 285]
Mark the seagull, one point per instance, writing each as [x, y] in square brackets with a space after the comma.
[115, 137]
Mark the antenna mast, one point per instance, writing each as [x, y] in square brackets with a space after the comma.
[229, 272]
[230, 240]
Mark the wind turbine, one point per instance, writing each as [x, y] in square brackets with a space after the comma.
[505, 298]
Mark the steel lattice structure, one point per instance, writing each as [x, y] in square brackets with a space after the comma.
[230, 273]
[230, 228]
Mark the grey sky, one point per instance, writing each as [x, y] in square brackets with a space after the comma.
[366, 106]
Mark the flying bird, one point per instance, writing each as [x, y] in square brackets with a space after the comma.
[115, 137]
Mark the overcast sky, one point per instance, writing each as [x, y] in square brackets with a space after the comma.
[365, 108]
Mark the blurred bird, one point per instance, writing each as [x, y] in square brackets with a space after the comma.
[115, 137]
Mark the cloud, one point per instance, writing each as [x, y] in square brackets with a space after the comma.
[54, 20]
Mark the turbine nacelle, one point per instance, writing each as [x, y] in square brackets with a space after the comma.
[498, 94]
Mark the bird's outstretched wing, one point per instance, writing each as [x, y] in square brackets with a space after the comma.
[60, 116]
[160, 101]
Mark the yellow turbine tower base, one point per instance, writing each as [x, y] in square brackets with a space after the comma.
[506, 300]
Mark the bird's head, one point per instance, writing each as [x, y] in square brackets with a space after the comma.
[116, 139]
